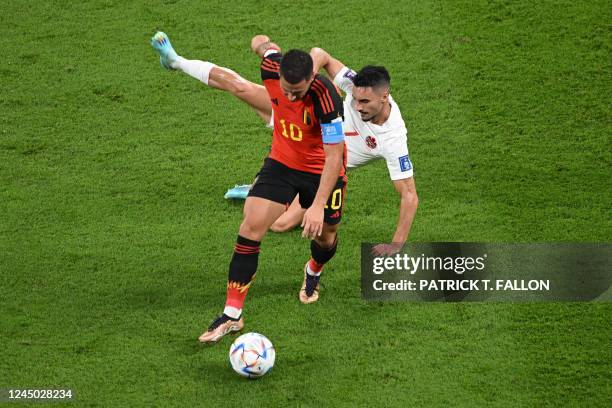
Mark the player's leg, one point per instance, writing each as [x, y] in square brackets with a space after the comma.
[267, 200]
[259, 214]
[214, 76]
[290, 218]
[323, 248]
[252, 94]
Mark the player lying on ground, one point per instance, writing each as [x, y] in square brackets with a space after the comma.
[307, 158]
[373, 125]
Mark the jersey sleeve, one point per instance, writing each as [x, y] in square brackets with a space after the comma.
[344, 79]
[398, 159]
[270, 65]
[328, 109]
[327, 101]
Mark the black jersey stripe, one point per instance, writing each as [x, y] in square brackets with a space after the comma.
[270, 67]
[322, 101]
[324, 106]
[270, 62]
[323, 95]
[327, 96]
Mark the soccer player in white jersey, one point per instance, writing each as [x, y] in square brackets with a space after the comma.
[374, 127]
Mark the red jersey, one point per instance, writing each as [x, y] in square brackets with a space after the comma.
[297, 140]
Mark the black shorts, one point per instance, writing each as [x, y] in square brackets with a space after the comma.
[279, 183]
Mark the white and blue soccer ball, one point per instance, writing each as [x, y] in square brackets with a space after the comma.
[252, 355]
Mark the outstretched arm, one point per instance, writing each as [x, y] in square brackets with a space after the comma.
[322, 59]
[409, 202]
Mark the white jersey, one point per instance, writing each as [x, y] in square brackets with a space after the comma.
[366, 141]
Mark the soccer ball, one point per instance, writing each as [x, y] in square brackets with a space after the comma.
[252, 355]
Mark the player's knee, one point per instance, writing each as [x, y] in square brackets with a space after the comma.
[252, 230]
[240, 86]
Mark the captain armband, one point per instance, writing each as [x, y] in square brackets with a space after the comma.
[333, 132]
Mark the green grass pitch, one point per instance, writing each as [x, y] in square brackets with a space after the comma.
[115, 237]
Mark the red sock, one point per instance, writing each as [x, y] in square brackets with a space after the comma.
[241, 272]
[315, 266]
[236, 293]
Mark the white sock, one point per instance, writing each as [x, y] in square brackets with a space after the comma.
[197, 69]
[232, 312]
[311, 272]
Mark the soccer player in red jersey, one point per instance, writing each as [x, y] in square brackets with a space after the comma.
[307, 157]
[374, 127]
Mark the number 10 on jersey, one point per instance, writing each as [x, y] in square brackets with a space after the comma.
[295, 133]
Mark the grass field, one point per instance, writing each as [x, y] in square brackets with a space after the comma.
[115, 237]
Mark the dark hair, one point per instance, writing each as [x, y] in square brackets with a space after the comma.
[372, 76]
[296, 66]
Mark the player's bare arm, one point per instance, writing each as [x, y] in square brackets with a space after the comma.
[322, 59]
[313, 217]
[409, 202]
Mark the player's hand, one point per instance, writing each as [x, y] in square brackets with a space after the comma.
[258, 40]
[387, 249]
[312, 222]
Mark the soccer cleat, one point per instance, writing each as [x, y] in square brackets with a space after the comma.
[238, 192]
[309, 293]
[167, 55]
[221, 326]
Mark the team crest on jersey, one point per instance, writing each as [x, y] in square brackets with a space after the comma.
[307, 118]
[371, 142]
